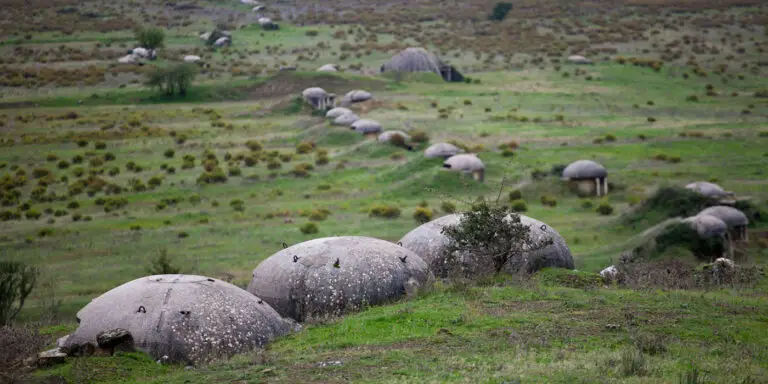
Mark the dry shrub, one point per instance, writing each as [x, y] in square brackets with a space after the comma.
[17, 344]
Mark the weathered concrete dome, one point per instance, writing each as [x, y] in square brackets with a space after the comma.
[387, 136]
[708, 189]
[430, 243]
[222, 41]
[328, 68]
[357, 96]
[336, 112]
[334, 275]
[732, 217]
[264, 21]
[346, 119]
[416, 59]
[707, 226]
[190, 319]
[192, 58]
[366, 126]
[128, 59]
[584, 169]
[442, 150]
[464, 163]
[141, 52]
[577, 59]
[314, 92]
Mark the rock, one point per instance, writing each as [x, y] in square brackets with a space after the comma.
[61, 341]
[117, 339]
[609, 274]
[51, 357]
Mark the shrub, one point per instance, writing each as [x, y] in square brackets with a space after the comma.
[500, 11]
[173, 80]
[100, 145]
[253, 145]
[448, 207]
[150, 38]
[548, 201]
[422, 215]
[155, 181]
[305, 147]
[319, 214]
[384, 211]
[515, 195]
[669, 202]
[309, 228]
[234, 172]
[605, 209]
[684, 236]
[216, 175]
[33, 214]
[494, 236]
[73, 205]
[162, 265]
[169, 153]
[519, 206]
[82, 143]
[17, 280]
[587, 204]
[419, 137]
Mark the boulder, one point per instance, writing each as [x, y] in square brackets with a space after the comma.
[609, 274]
[115, 339]
[577, 59]
[51, 357]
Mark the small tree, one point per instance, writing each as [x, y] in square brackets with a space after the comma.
[16, 283]
[162, 265]
[493, 236]
[173, 80]
[151, 38]
[500, 11]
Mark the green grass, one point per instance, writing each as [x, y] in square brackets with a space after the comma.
[552, 329]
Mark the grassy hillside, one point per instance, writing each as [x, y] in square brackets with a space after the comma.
[100, 175]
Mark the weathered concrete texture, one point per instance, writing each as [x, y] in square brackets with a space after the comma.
[387, 136]
[707, 226]
[729, 215]
[188, 318]
[431, 244]
[442, 150]
[357, 96]
[366, 126]
[708, 189]
[336, 112]
[334, 275]
[584, 169]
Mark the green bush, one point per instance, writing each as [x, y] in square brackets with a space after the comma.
[253, 145]
[216, 175]
[419, 137]
[150, 38]
[448, 207]
[515, 195]
[548, 201]
[305, 147]
[309, 228]
[500, 11]
[169, 153]
[605, 209]
[422, 215]
[173, 80]
[519, 206]
[384, 211]
[17, 280]
[33, 214]
[683, 235]
[587, 204]
[669, 202]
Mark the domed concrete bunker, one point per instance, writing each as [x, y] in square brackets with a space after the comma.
[429, 242]
[190, 319]
[334, 275]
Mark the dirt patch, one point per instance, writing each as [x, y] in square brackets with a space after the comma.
[289, 84]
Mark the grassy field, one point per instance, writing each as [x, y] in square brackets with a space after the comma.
[63, 147]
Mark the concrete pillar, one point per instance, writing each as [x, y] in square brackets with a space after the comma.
[597, 185]
[605, 186]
